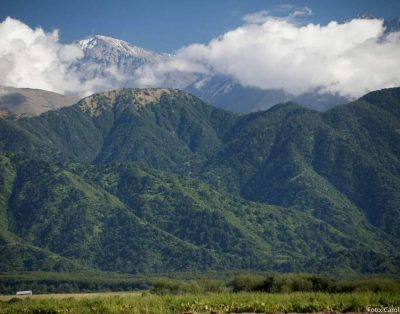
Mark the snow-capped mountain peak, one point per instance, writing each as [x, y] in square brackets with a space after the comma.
[106, 45]
[113, 60]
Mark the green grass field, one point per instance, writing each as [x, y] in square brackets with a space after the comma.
[224, 302]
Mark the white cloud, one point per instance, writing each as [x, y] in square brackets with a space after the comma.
[305, 11]
[33, 58]
[349, 59]
[176, 72]
[257, 17]
[264, 16]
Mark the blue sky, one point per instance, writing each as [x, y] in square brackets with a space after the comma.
[163, 25]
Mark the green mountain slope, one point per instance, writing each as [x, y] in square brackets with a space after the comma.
[342, 163]
[156, 180]
[367, 150]
[74, 219]
[159, 128]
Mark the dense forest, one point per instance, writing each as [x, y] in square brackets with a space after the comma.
[155, 180]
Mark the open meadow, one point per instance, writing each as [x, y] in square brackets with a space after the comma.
[241, 293]
[223, 302]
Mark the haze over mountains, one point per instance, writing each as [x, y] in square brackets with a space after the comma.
[31, 102]
[154, 180]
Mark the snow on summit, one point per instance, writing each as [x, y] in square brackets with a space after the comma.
[99, 45]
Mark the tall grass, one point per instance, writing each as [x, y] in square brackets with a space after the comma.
[223, 302]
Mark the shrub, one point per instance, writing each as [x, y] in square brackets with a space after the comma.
[246, 283]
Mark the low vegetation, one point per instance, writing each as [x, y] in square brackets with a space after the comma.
[183, 283]
[222, 302]
[224, 292]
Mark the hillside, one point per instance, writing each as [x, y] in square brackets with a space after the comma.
[31, 102]
[156, 180]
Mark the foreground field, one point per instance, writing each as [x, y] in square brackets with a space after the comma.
[60, 296]
[137, 303]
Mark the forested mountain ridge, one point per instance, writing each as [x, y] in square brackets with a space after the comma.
[153, 180]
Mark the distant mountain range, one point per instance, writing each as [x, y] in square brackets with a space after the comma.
[103, 52]
[117, 62]
[103, 55]
[156, 180]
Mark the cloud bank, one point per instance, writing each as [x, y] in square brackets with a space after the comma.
[348, 59]
[36, 59]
